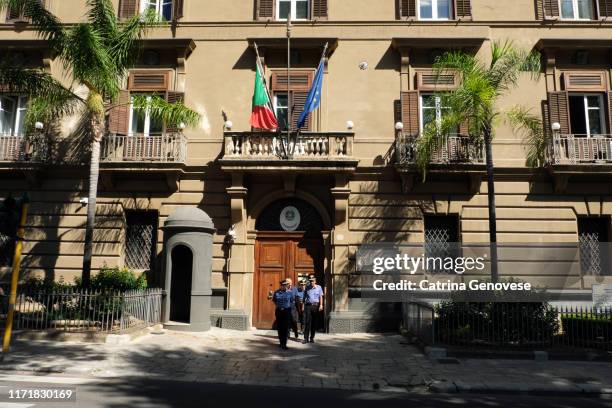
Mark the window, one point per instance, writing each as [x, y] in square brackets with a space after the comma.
[142, 123]
[298, 9]
[435, 9]
[163, 8]
[577, 9]
[592, 232]
[432, 110]
[281, 108]
[441, 238]
[587, 116]
[12, 114]
[140, 239]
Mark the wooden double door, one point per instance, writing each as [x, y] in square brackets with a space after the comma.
[278, 256]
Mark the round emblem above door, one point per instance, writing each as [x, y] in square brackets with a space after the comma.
[290, 218]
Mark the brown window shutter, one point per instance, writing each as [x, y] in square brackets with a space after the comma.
[300, 80]
[410, 112]
[406, 9]
[550, 9]
[463, 9]
[264, 9]
[319, 9]
[585, 81]
[174, 97]
[558, 110]
[128, 9]
[298, 101]
[433, 81]
[119, 115]
[604, 9]
[177, 9]
[149, 80]
[609, 98]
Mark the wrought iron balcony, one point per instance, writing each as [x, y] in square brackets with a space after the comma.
[140, 148]
[455, 149]
[24, 149]
[580, 149]
[309, 149]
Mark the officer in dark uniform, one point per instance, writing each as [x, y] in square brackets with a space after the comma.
[283, 299]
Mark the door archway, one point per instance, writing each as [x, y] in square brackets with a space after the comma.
[180, 284]
[289, 244]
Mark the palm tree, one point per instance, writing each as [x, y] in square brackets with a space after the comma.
[97, 55]
[473, 104]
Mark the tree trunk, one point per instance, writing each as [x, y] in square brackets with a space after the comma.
[492, 208]
[97, 125]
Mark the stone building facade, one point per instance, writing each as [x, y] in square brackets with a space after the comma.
[349, 184]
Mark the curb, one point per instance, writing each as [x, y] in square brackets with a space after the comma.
[523, 388]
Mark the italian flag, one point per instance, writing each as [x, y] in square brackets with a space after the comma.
[263, 116]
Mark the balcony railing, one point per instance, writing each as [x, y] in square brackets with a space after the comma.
[454, 149]
[140, 148]
[23, 149]
[580, 149]
[271, 146]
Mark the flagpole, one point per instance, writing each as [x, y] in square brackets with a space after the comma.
[289, 98]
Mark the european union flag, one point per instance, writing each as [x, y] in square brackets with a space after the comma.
[314, 96]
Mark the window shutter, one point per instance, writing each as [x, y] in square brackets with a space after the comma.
[585, 81]
[264, 9]
[609, 94]
[463, 9]
[550, 9]
[300, 81]
[319, 9]
[432, 81]
[558, 110]
[128, 9]
[406, 9]
[149, 80]
[177, 12]
[410, 112]
[174, 97]
[604, 9]
[119, 115]
[297, 105]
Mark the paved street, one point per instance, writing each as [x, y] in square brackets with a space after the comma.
[146, 392]
[361, 362]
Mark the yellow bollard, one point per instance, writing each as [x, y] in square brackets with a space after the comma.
[15, 278]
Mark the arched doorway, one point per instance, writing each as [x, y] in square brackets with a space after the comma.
[180, 284]
[289, 244]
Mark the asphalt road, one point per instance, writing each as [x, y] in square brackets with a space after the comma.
[139, 392]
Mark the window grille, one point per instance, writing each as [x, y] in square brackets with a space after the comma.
[592, 232]
[140, 239]
[441, 237]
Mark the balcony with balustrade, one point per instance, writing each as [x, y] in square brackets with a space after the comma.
[24, 155]
[455, 155]
[581, 150]
[311, 151]
[143, 155]
[579, 157]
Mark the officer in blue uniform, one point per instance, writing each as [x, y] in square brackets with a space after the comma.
[313, 305]
[283, 299]
[299, 302]
[294, 311]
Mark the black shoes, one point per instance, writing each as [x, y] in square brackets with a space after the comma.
[285, 347]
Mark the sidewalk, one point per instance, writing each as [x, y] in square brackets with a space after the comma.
[365, 362]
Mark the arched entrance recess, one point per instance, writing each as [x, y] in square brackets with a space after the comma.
[289, 244]
[180, 285]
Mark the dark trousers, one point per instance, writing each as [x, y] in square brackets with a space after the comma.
[283, 320]
[294, 321]
[311, 320]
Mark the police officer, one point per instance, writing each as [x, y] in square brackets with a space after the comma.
[313, 305]
[294, 312]
[283, 299]
[299, 302]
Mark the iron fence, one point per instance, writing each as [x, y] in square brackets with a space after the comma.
[522, 326]
[83, 310]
